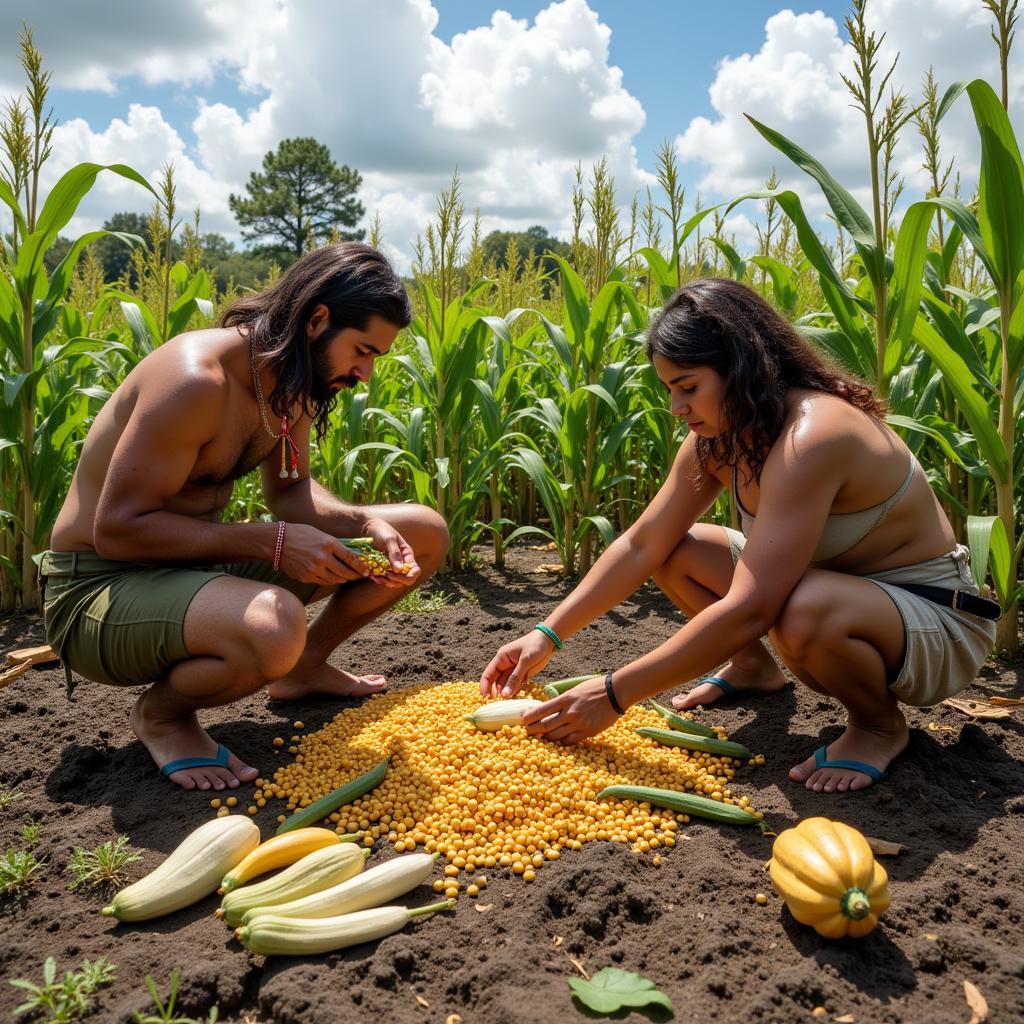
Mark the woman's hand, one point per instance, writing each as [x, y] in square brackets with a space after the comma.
[515, 663]
[387, 539]
[578, 713]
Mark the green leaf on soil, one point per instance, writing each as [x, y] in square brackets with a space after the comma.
[613, 988]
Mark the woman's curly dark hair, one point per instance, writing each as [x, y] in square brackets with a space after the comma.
[354, 281]
[726, 326]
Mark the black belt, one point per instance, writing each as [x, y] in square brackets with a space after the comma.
[962, 600]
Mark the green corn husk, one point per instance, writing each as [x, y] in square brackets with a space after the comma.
[717, 748]
[344, 794]
[684, 803]
[684, 724]
[553, 689]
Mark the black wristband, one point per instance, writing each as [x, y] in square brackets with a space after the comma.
[619, 710]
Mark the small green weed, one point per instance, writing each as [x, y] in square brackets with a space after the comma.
[65, 1000]
[16, 870]
[8, 797]
[102, 866]
[165, 1011]
[417, 602]
[30, 835]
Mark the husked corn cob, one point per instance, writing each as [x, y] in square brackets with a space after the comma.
[192, 870]
[380, 884]
[279, 852]
[318, 870]
[372, 557]
[491, 717]
[295, 936]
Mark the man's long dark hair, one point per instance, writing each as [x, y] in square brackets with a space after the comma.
[728, 327]
[354, 281]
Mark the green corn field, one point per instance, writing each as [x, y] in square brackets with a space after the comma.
[520, 404]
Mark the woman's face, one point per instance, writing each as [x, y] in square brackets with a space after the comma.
[695, 395]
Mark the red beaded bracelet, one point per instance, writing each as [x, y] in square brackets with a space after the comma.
[278, 546]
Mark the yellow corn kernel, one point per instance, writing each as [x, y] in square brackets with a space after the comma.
[232, 801]
[215, 803]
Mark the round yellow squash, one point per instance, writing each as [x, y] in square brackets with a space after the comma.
[827, 875]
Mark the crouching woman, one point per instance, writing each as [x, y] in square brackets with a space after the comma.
[846, 559]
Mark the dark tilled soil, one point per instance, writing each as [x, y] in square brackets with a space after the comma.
[691, 925]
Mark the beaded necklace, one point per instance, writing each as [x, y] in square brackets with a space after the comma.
[288, 446]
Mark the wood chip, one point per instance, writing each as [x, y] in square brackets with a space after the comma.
[32, 655]
[579, 967]
[422, 1001]
[931, 936]
[482, 908]
[980, 709]
[884, 848]
[453, 1018]
[9, 675]
[556, 941]
[976, 1003]
[552, 567]
[935, 727]
[700, 916]
[847, 1018]
[1007, 702]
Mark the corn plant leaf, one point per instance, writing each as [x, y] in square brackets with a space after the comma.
[59, 208]
[848, 212]
[7, 196]
[612, 988]
[976, 411]
[737, 265]
[908, 270]
[990, 549]
[784, 280]
[574, 295]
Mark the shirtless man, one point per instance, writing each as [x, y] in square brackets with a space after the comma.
[144, 583]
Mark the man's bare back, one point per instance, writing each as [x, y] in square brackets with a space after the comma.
[219, 358]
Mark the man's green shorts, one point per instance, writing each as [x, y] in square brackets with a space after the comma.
[123, 623]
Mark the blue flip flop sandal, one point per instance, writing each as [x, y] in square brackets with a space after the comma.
[821, 761]
[218, 761]
[723, 684]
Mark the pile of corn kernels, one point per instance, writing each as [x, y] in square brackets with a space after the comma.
[486, 800]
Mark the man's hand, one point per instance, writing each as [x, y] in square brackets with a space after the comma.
[578, 713]
[387, 539]
[311, 556]
[514, 663]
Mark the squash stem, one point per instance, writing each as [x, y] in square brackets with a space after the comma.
[855, 904]
[443, 905]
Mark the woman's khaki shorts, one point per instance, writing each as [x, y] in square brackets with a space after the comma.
[123, 623]
[945, 647]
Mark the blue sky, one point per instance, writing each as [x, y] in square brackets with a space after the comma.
[406, 90]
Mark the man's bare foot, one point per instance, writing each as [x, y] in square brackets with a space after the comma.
[325, 679]
[875, 746]
[763, 678]
[169, 740]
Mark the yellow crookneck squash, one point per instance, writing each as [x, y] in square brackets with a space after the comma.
[827, 875]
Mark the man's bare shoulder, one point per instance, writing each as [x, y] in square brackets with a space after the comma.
[202, 362]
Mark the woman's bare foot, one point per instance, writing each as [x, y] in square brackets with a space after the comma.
[168, 740]
[325, 678]
[877, 746]
[766, 677]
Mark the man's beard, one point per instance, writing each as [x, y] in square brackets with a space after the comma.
[324, 387]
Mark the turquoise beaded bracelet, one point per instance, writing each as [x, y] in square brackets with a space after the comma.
[551, 634]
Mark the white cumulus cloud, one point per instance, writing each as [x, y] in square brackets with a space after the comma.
[513, 104]
[793, 85]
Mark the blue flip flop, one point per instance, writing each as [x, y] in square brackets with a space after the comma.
[821, 761]
[218, 761]
[723, 684]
